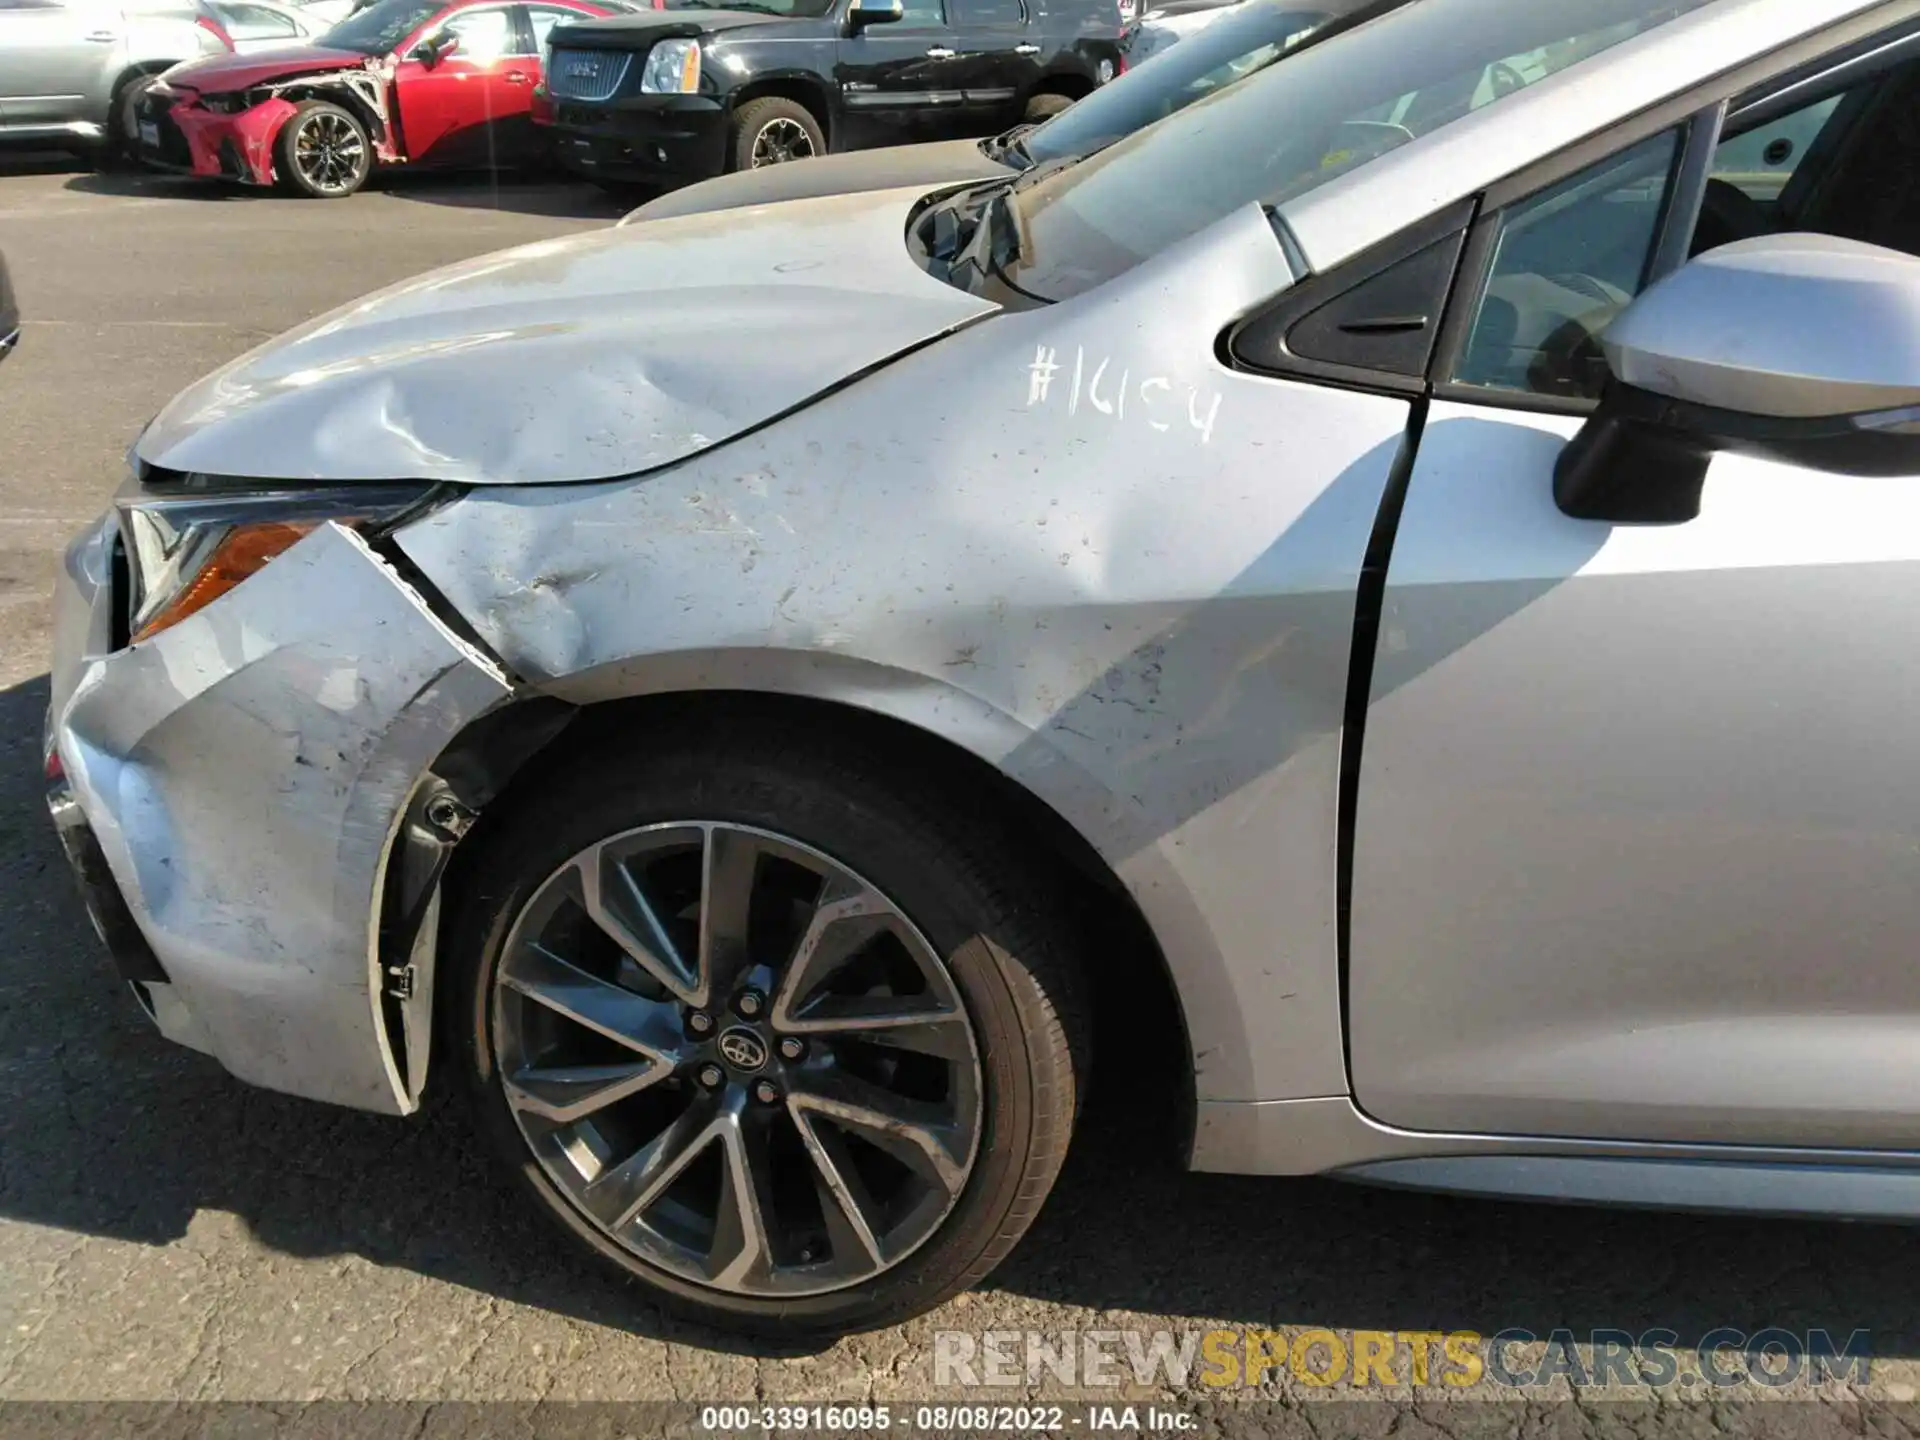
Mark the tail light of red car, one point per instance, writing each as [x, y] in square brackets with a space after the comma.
[214, 28]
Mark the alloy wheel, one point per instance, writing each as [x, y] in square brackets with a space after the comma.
[779, 141]
[330, 153]
[738, 1059]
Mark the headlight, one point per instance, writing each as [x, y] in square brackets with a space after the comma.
[184, 551]
[673, 68]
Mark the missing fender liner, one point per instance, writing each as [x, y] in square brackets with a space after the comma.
[462, 781]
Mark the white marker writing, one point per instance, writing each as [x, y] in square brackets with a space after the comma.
[1205, 428]
[1154, 383]
[1040, 375]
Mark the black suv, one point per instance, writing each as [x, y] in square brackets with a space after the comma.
[684, 93]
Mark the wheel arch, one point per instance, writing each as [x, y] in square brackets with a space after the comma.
[137, 70]
[964, 741]
[796, 85]
[346, 96]
[1071, 83]
[128, 74]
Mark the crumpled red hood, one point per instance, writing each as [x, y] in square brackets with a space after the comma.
[222, 73]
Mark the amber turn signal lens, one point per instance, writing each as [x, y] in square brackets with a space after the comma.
[244, 551]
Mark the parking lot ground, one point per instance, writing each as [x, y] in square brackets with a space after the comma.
[167, 1233]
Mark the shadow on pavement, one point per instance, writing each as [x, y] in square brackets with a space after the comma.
[545, 194]
[17, 160]
[106, 1129]
[549, 193]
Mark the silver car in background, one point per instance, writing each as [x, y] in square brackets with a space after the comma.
[255, 26]
[72, 71]
[1421, 546]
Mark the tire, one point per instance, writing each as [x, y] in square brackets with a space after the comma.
[323, 152]
[1013, 979]
[771, 131]
[1045, 106]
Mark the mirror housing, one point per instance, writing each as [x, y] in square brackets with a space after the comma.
[1798, 348]
[862, 13]
[435, 48]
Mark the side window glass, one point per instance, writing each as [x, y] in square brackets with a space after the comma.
[988, 12]
[1848, 165]
[1760, 162]
[484, 34]
[1565, 262]
[544, 20]
[256, 22]
[924, 15]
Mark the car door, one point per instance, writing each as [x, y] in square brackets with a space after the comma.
[999, 60]
[463, 108]
[901, 81]
[1637, 826]
[50, 54]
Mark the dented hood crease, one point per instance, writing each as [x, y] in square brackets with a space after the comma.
[585, 358]
[224, 74]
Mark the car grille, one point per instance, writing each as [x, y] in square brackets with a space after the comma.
[587, 74]
[173, 145]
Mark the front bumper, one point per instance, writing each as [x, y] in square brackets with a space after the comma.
[665, 138]
[9, 313]
[229, 792]
[181, 134]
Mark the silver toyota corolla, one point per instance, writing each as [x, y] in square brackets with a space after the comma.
[1421, 540]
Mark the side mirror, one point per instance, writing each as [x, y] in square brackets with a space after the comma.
[1798, 348]
[435, 48]
[862, 13]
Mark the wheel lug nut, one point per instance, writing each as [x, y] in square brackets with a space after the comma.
[792, 1048]
[711, 1076]
[750, 1003]
[766, 1092]
[700, 1022]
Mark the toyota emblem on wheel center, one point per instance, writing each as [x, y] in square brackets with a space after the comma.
[743, 1049]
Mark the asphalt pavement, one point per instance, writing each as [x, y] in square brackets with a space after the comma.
[169, 1234]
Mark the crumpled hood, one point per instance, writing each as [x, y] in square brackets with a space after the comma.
[584, 358]
[936, 163]
[221, 74]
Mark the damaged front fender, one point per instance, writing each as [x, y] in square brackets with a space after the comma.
[233, 135]
[261, 897]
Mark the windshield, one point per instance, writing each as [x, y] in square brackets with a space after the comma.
[381, 26]
[1230, 48]
[1331, 108]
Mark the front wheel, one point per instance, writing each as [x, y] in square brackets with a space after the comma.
[791, 1037]
[322, 152]
[1044, 107]
[772, 131]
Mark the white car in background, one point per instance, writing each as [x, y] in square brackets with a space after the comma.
[258, 25]
[326, 13]
[1160, 26]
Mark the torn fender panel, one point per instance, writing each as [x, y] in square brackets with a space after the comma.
[1068, 540]
[581, 358]
[244, 772]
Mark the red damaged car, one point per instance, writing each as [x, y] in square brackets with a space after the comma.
[414, 82]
